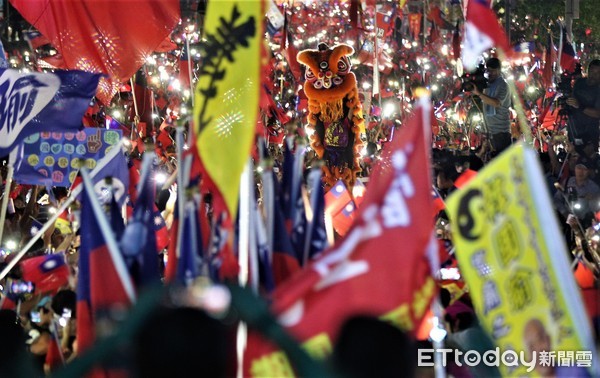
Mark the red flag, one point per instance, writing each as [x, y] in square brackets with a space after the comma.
[550, 58]
[103, 282]
[47, 272]
[568, 59]
[482, 31]
[113, 38]
[356, 275]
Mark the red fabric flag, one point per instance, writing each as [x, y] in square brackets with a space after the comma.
[550, 58]
[482, 31]
[568, 58]
[113, 38]
[380, 268]
[47, 272]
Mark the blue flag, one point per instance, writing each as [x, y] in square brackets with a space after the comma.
[138, 242]
[191, 246]
[35, 102]
[3, 62]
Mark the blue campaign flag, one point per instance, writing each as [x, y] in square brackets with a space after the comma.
[54, 159]
[138, 243]
[3, 62]
[34, 102]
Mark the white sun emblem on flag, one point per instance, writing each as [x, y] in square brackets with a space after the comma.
[34, 230]
[158, 220]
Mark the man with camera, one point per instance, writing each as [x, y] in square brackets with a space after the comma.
[496, 101]
[584, 112]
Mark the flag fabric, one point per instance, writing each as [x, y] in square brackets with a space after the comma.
[316, 234]
[47, 272]
[482, 31]
[172, 259]
[102, 280]
[568, 57]
[355, 275]
[524, 47]
[113, 165]
[160, 229]
[231, 67]
[34, 102]
[341, 207]
[35, 39]
[35, 227]
[285, 254]
[113, 40]
[550, 59]
[117, 224]
[191, 247]
[438, 202]
[142, 257]
[3, 61]
[54, 159]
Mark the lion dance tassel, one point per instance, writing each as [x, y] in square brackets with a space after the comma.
[334, 112]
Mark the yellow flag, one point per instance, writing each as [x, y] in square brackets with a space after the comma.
[513, 258]
[227, 93]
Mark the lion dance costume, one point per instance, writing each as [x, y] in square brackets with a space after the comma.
[335, 112]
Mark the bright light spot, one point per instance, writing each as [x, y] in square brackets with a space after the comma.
[596, 238]
[176, 84]
[434, 87]
[151, 60]
[476, 118]
[52, 210]
[126, 142]
[366, 85]
[11, 244]
[116, 114]
[530, 89]
[160, 178]
[389, 109]
[577, 206]
[522, 77]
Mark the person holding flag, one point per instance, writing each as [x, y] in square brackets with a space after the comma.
[496, 101]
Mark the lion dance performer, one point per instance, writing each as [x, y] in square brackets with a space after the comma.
[335, 112]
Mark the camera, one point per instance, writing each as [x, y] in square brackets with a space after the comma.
[477, 78]
[565, 88]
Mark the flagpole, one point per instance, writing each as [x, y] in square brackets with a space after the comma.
[9, 178]
[181, 198]
[109, 237]
[54, 217]
[243, 255]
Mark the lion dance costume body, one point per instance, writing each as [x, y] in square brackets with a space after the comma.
[335, 112]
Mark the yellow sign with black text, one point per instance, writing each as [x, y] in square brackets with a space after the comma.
[514, 261]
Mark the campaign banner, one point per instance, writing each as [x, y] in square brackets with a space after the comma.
[513, 258]
[53, 159]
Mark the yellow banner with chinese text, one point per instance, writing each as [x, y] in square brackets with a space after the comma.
[511, 255]
[227, 94]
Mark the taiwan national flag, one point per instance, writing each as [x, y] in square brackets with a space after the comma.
[482, 32]
[33, 102]
[48, 272]
[103, 282]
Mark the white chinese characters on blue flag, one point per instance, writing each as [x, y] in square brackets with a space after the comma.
[55, 158]
[34, 102]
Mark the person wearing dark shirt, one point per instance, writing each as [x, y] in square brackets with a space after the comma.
[585, 108]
